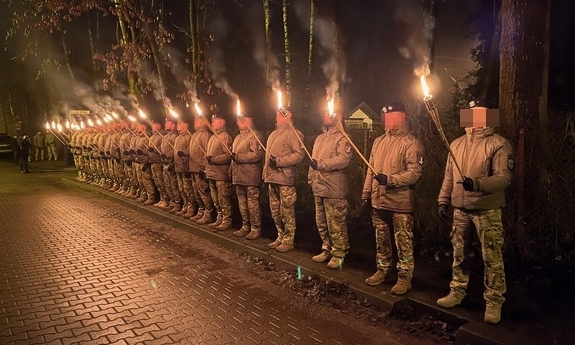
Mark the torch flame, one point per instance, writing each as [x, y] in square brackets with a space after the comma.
[90, 123]
[99, 122]
[53, 124]
[59, 126]
[67, 124]
[82, 124]
[198, 110]
[238, 107]
[106, 119]
[131, 118]
[174, 114]
[280, 103]
[47, 125]
[424, 87]
[115, 115]
[142, 114]
[330, 107]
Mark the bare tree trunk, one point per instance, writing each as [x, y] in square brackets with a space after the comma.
[92, 48]
[287, 51]
[523, 83]
[310, 44]
[194, 41]
[132, 90]
[67, 56]
[268, 38]
[428, 24]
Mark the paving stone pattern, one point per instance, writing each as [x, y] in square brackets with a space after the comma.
[76, 269]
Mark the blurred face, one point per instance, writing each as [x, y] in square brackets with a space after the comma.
[479, 117]
[329, 120]
[170, 125]
[394, 120]
[281, 120]
[199, 122]
[218, 123]
[182, 127]
[244, 122]
[156, 126]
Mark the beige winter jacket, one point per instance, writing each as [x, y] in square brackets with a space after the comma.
[247, 167]
[333, 154]
[399, 155]
[284, 145]
[182, 143]
[167, 143]
[198, 145]
[487, 159]
[219, 169]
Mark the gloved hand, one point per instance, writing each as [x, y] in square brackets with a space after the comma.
[102, 153]
[140, 152]
[132, 152]
[117, 160]
[313, 164]
[210, 159]
[89, 148]
[467, 184]
[164, 157]
[170, 168]
[202, 174]
[144, 167]
[381, 179]
[129, 163]
[365, 205]
[234, 156]
[442, 212]
[188, 174]
[118, 150]
[273, 162]
[84, 147]
[151, 149]
[126, 152]
[181, 154]
[108, 153]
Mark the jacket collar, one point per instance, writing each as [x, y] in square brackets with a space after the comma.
[396, 132]
[478, 133]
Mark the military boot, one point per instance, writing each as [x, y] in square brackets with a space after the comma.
[217, 222]
[183, 210]
[492, 314]
[377, 278]
[206, 218]
[275, 244]
[176, 209]
[450, 300]
[224, 225]
[254, 234]
[170, 206]
[245, 229]
[198, 215]
[401, 286]
[335, 262]
[284, 247]
[191, 213]
[149, 201]
[133, 192]
[143, 197]
[322, 257]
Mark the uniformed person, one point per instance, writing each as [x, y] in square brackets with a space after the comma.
[247, 162]
[397, 156]
[168, 169]
[218, 173]
[328, 179]
[486, 160]
[198, 163]
[148, 194]
[154, 145]
[181, 165]
[284, 154]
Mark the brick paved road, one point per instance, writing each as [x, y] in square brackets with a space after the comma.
[78, 269]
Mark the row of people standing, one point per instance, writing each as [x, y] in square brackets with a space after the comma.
[194, 174]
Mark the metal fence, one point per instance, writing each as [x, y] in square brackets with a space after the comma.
[539, 217]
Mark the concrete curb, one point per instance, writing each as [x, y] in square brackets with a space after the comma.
[469, 330]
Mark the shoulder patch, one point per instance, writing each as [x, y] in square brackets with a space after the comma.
[259, 147]
[347, 148]
[420, 158]
[510, 162]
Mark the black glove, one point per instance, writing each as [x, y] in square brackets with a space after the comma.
[117, 160]
[101, 153]
[170, 168]
[118, 150]
[273, 162]
[234, 156]
[188, 174]
[150, 149]
[144, 167]
[181, 154]
[126, 152]
[442, 212]
[108, 153]
[381, 179]
[210, 159]
[84, 147]
[89, 148]
[467, 184]
[164, 157]
[202, 174]
[129, 163]
[366, 205]
[313, 164]
[132, 152]
[140, 152]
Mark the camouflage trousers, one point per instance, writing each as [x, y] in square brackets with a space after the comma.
[138, 174]
[202, 194]
[249, 204]
[330, 218]
[282, 206]
[120, 172]
[158, 178]
[180, 185]
[489, 230]
[130, 176]
[148, 181]
[189, 192]
[94, 171]
[221, 192]
[403, 234]
[171, 184]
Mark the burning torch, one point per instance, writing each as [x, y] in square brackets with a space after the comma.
[330, 107]
[133, 119]
[282, 111]
[57, 137]
[434, 113]
[243, 117]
